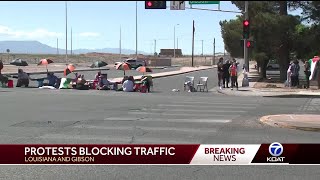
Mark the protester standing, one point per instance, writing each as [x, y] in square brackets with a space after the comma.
[220, 72]
[295, 68]
[307, 72]
[226, 74]
[234, 75]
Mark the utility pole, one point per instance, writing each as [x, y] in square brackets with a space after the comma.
[57, 46]
[214, 52]
[177, 43]
[245, 53]
[155, 47]
[66, 32]
[120, 45]
[174, 40]
[202, 48]
[71, 41]
[224, 50]
[193, 30]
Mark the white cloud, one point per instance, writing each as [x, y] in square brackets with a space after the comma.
[89, 34]
[35, 34]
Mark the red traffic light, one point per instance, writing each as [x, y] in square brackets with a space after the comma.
[246, 22]
[248, 44]
[149, 3]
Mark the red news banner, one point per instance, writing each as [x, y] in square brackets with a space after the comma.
[197, 154]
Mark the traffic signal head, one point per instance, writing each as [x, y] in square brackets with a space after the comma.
[155, 4]
[246, 29]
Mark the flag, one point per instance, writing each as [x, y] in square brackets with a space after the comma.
[313, 62]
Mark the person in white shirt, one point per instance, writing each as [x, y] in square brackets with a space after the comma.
[128, 86]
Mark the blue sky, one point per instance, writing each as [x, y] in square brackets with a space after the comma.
[96, 24]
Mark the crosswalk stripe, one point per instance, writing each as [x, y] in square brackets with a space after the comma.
[198, 130]
[183, 114]
[104, 127]
[212, 103]
[196, 110]
[231, 106]
[87, 137]
[195, 120]
[120, 119]
[215, 121]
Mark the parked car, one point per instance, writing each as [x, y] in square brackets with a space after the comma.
[133, 62]
[273, 64]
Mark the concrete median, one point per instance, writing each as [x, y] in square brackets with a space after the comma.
[306, 122]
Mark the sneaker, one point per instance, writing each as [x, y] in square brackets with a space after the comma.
[231, 88]
[220, 88]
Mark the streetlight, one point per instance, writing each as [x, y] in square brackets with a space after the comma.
[174, 40]
[136, 29]
[66, 32]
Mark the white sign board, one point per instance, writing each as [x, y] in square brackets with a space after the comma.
[177, 5]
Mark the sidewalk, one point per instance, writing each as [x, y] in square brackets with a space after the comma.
[264, 92]
[307, 122]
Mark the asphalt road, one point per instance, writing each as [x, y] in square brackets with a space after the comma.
[164, 116]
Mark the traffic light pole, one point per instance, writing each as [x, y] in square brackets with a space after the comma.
[245, 49]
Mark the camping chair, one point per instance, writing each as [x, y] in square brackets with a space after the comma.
[188, 79]
[202, 85]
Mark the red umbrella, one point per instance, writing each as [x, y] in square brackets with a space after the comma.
[124, 67]
[70, 68]
[143, 69]
[45, 62]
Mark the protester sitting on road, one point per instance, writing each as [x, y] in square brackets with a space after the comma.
[234, 75]
[104, 84]
[23, 79]
[147, 81]
[81, 84]
[226, 74]
[124, 79]
[52, 79]
[97, 77]
[220, 72]
[3, 79]
[128, 85]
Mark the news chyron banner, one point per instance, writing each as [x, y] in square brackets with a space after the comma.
[191, 154]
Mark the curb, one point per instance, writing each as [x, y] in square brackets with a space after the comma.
[155, 76]
[178, 73]
[266, 120]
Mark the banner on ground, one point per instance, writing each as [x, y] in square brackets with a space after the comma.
[191, 154]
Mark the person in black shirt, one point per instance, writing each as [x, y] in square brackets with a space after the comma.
[220, 72]
[226, 74]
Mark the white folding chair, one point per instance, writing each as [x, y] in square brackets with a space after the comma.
[202, 85]
[187, 80]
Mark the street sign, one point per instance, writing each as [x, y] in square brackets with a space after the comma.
[177, 5]
[204, 2]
